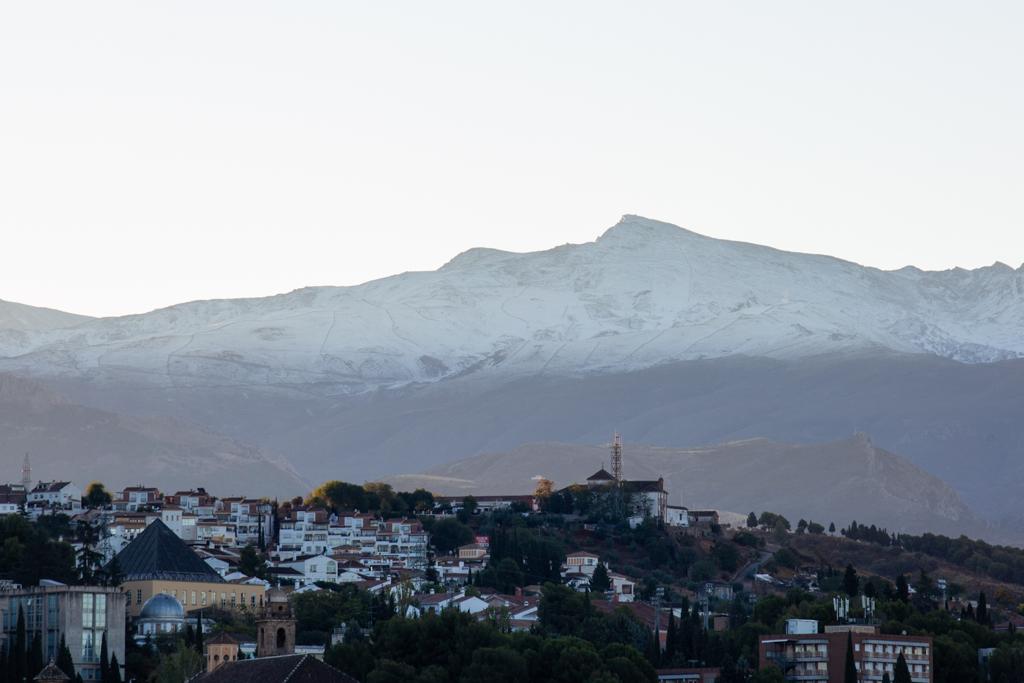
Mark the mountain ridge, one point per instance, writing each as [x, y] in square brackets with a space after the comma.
[643, 293]
[841, 481]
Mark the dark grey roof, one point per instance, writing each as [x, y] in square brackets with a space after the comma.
[284, 669]
[51, 674]
[601, 475]
[158, 554]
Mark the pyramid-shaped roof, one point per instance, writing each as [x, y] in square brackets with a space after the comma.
[601, 475]
[158, 554]
[51, 673]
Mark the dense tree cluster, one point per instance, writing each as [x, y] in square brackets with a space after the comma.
[1003, 563]
[339, 496]
[575, 644]
[31, 551]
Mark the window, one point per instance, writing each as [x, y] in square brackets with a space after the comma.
[88, 646]
[100, 611]
[138, 596]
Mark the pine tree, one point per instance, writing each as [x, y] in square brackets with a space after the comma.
[104, 659]
[885, 678]
[901, 672]
[64, 661]
[850, 670]
[751, 520]
[113, 572]
[831, 527]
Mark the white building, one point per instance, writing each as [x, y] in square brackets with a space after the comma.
[54, 496]
[677, 515]
[623, 587]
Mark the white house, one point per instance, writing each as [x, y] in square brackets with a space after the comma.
[623, 586]
[677, 515]
[581, 562]
[320, 568]
[55, 496]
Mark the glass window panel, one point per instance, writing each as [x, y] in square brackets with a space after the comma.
[100, 618]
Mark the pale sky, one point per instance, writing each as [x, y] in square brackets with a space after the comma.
[152, 153]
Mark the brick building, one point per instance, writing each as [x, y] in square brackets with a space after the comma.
[821, 657]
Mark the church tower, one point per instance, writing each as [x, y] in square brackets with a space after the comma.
[275, 627]
[26, 474]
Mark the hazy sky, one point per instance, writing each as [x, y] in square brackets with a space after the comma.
[152, 153]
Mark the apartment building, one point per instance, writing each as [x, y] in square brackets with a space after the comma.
[820, 657]
[81, 614]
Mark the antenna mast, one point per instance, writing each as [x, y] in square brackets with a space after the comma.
[617, 458]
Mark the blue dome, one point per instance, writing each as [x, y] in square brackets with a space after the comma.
[162, 606]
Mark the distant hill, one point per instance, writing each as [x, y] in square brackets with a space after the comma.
[670, 336]
[71, 441]
[838, 481]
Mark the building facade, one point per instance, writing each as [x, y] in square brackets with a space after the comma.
[81, 614]
[821, 657]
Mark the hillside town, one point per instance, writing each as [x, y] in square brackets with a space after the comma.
[242, 582]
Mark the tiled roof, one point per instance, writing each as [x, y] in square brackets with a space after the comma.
[284, 669]
[601, 475]
[157, 553]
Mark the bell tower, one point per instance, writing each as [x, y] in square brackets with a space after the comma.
[275, 627]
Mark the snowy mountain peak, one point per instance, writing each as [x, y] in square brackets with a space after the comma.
[641, 231]
[644, 293]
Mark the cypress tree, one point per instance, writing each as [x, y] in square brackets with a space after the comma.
[64, 660]
[982, 612]
[902, 588]
[850, 670]
[851, 584]
[35, 656]
[104, 659]
[901, 672]
[885, 678]
[670, 638]
[600, 581]
[19, 666]
[199, 633]
[114, 675]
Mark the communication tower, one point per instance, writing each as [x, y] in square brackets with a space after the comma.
[617, 458]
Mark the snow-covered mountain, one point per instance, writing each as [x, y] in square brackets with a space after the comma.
[642, 294]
